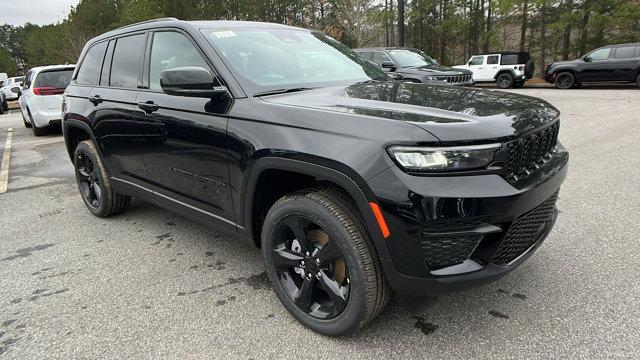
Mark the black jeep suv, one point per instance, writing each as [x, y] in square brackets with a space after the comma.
[352, 185]
[414, 65]
[610, 63]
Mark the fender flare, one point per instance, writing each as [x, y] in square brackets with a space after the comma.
[355, 186]
[69, 123]
[510, 71]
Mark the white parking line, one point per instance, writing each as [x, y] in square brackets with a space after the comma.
[6, 156]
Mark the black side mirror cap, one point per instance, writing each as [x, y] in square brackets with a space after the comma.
[16, 90]
[587, 59]
[388, 65]
[190, 81]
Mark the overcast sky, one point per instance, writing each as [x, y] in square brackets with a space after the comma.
[41, 12]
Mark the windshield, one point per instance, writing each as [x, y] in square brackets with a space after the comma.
[271, 59]
[412, 58]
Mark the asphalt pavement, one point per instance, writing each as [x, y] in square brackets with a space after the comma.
[151, 284]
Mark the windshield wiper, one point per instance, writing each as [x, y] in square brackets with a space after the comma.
[282, 91]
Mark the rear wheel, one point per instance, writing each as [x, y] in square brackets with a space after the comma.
[36, 130]
[5, 105]
[504, 81]
[565, 80]
[94, 184]
[638, 81]
[321, 262]
[26, 123]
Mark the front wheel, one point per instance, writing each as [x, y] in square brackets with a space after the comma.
[94, 184]
[504, 81]
[322, 263]
[565, 80]
[638, 81]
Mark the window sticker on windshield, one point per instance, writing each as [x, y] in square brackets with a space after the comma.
[224, 34]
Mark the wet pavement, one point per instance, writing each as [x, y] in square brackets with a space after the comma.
[151, 284]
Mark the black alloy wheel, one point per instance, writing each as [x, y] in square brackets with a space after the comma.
[311, 267]
[321, 261]
[504, 81]
[565, 80]
[88, 177]
[94, 184]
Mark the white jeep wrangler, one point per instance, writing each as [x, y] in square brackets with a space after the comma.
[506, 69]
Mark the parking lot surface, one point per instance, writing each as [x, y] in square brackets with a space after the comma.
[149, 284]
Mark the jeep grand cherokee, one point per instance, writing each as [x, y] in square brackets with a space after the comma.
[353, 186]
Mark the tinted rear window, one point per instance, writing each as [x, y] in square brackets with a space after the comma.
[58, 79]
[90, 68]
[625, 53]
[126, 65]
[510, 60]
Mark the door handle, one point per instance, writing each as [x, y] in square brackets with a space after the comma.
[96, 99]
[148, 106]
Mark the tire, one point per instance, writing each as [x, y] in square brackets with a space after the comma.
[24, 121]
[638, 81]
[565, 80]
[36, 130]
[333, 214]
[5, 105]
[94, 183]
[504, 81]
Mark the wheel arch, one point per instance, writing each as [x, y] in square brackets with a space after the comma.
[75, 131]
[509, 71]
[351, 183]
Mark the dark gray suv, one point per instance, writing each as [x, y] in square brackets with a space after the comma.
[415, 66]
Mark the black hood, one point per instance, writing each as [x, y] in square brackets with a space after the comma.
[435, 69]
[449, 113]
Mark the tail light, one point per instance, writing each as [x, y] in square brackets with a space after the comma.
[518, 67]
[47, 91]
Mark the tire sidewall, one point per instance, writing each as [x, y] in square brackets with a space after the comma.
[350, 318]
[84, 149]
[563, 74]
[498, 82]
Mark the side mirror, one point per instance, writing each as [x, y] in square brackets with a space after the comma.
[374, 64]
[469, 63]
[191, 81]
[16, 90]
[388, 65]
[587, 59]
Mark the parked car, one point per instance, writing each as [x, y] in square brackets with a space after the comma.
[610, 63]
[3, 103]
[507, 69]
[352, 184]
[5, 92]
[41, 96]
[8, 84]
[414, 65]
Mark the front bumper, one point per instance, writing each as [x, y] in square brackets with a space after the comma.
[450, 233]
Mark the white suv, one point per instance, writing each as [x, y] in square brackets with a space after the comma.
[41, 100]
[6, 93]
[506, 69]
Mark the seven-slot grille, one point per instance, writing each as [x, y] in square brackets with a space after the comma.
[527, 153]
[455, 79]
[525, 232]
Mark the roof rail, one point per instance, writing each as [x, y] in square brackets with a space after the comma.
[147, 22]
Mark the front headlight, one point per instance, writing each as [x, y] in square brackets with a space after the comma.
[443, 158]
